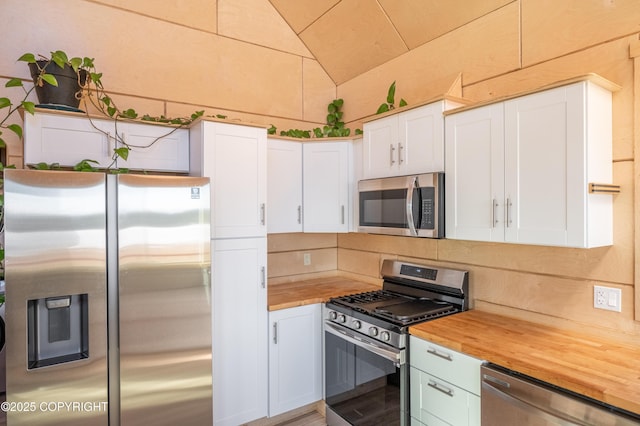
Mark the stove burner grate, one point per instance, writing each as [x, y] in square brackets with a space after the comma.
[368, 297]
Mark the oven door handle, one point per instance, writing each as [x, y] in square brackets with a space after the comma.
[412, 184]
[392, 354]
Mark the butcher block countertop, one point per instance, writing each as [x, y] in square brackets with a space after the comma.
[605, 370]
[319, 290]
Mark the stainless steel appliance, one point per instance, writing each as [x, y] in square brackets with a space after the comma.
[107, 299]
[3, 353]
[509, 398]
[407, 205]
[366, 341]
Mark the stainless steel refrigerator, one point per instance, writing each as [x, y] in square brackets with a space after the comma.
[108, 304]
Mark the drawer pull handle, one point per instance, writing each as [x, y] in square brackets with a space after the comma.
[441, 388]
[442, 355]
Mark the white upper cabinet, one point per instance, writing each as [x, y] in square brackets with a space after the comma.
[410, 142]
[154, 147]
[284, 186]
[474, 174]
[310, 186]
[234, 157]
[326, 185]
[519, 170]
[67, 139]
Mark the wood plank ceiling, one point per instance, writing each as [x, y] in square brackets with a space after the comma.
[350, 37]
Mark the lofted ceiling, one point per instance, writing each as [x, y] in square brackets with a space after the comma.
[350, 37]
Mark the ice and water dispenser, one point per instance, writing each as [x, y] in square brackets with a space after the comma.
[57, 330]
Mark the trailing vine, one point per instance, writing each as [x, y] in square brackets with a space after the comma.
[335, 127]
[92, 90]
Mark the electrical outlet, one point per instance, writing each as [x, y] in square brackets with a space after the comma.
[607, 298]
[306, 259]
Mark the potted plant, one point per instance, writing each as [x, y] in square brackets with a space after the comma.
[59, 80]
[78, 75]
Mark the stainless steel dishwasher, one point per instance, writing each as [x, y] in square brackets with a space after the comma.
[509, 398]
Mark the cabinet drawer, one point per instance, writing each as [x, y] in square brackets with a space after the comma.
[446, 364]
[439, 402]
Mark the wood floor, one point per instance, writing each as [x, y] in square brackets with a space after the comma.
[310, 419]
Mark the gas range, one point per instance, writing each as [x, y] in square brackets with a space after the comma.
[410, 294]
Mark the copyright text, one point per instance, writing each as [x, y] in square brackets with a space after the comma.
[52, 406]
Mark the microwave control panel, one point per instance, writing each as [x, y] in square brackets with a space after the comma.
[428, 208]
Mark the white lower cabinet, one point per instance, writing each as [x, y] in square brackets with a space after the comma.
[445, 385]
[240, 352]
[295, 358]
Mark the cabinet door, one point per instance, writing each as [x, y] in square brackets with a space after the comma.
[284, 186]
[295, 358]
[545, 166]
[239, 330]
[421, 140]
[67, 140]
[474, 189]
[155, 148]
[325, 168]
[380, 148]
[235, 159]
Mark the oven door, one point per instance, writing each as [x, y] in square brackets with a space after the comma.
[366, 382]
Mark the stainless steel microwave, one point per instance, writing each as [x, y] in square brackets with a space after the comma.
[406, 205]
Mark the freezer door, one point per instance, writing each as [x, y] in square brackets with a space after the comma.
[165, 300]
[55, 242]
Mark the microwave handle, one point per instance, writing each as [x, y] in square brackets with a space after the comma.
[412, 225]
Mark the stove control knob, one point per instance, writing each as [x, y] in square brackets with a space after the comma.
[342, 318]
[385, 336]
[357, 324]
[333, 315]
[373, 331]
